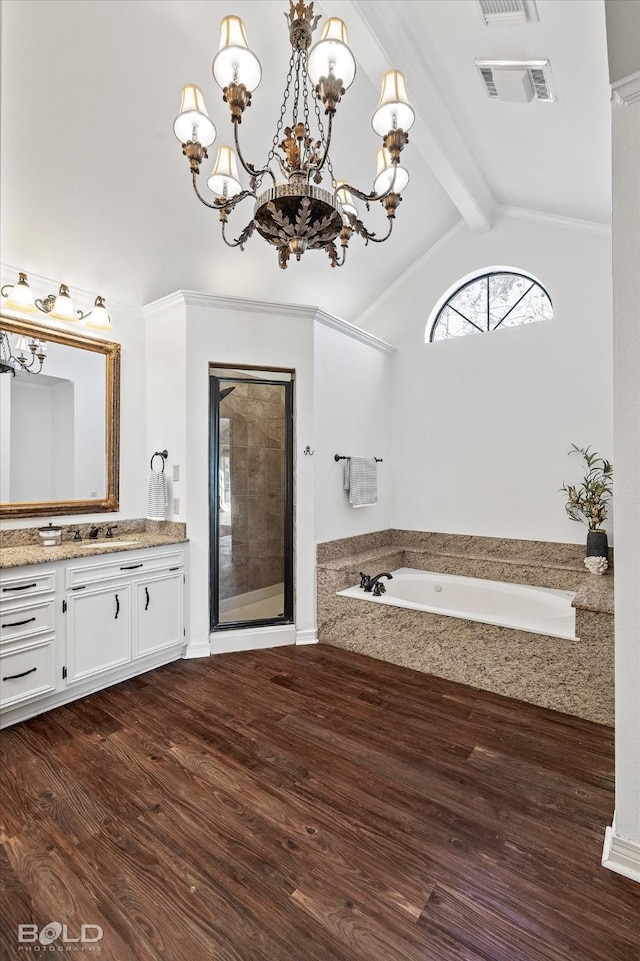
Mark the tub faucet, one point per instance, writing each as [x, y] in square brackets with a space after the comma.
[93, 533]
[372, 581]
[365, 582]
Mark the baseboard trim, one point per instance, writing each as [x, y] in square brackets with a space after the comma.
[252, 639]
[621, 855]
[307, 637]
[201, 649]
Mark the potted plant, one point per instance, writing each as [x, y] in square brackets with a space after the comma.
[588, 501]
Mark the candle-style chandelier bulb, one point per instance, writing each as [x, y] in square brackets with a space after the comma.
[234, 61]
[193, 123]
[394, 111]
[224, 180]
[385, 179]
[331, 55]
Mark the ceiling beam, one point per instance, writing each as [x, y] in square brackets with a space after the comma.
[385, 37]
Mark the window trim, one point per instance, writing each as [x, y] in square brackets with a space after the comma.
[466, 281]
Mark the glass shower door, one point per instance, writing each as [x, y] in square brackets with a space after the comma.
[251, 500]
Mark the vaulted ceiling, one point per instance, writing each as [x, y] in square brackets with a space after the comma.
[96, 192]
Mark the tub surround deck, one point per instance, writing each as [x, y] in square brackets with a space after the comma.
[22, 546]
[575, 677]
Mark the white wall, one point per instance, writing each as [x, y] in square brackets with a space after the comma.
[351, 416]
[481, 425]
[216, 330]
[626, 326]
[128, 330]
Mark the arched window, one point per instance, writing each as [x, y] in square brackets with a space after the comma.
[490, 300]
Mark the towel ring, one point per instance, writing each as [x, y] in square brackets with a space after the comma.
[159, 453]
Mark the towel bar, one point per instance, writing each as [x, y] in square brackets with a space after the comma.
[337, 457]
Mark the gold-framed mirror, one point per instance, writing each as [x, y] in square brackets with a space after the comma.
[60, 427]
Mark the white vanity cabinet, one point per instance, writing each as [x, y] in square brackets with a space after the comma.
[98, 630]
[157, 612]
[73, 627]
[27, 636]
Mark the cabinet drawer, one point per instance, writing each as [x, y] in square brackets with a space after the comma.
[26, 621]
[128, 564]
[26, 672]
[17, 587]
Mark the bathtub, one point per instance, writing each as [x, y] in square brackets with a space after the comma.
[541, 610]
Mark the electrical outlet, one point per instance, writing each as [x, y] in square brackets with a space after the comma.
[176, 472]
[176, 505]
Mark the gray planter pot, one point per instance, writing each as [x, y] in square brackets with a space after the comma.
[597, 544]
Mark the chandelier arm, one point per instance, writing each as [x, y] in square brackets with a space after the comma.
[250, 169]
[221, 205]
[373, 195]
[360, 228]
[242, 239]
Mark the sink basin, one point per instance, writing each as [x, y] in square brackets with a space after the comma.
[114, 542]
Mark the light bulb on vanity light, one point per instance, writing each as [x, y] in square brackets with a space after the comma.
[20, 296]
[63, 308]
[98, 317]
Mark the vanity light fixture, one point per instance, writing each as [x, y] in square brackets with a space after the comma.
[295, 213]
[19, 296]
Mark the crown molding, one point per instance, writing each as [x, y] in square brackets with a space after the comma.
[391, 291]
[194, 298]
[555, 220]
[355, 333]
[627, 90]
[160, 306]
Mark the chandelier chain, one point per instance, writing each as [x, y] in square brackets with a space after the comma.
[283, 110]
[323, 136]
[296, 91]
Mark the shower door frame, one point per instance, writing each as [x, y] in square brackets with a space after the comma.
[216, 380]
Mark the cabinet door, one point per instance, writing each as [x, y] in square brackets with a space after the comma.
[98, 631]
[158, 621]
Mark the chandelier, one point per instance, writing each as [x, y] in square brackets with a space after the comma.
[293, 211]
[27, 352]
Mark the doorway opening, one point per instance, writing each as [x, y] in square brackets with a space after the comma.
[251, 497]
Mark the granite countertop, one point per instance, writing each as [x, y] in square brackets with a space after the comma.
[594, 593]
[24, 554]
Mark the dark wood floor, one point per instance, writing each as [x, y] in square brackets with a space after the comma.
[311, 804]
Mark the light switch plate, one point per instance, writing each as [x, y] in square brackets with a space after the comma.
[176, 505]
[176, 472]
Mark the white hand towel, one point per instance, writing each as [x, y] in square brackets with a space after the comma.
[157, 496]
[361, 480]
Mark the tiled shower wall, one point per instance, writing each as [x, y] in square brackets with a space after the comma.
[252, 437]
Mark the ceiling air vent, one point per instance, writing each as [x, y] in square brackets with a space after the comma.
[517, 81]
[505, 13]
